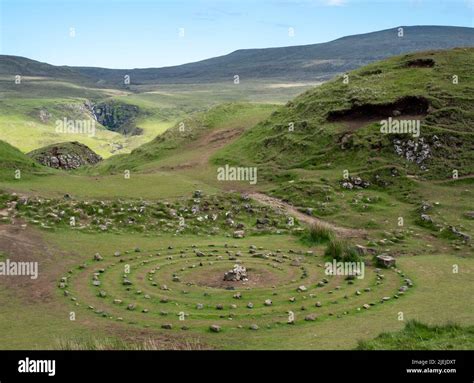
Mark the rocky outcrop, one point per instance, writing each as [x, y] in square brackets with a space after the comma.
[66, 156]
[416, 151]
[118, 117]
[354, 183]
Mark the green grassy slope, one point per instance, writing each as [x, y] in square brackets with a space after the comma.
[172, 142]
[306, 166]
[12, 160]
[321, 141]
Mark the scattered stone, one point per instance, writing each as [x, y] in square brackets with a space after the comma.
[385, 260]
[239, 234]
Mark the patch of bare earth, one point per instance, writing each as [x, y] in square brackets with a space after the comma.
[358, 116]
[291, 210]
[215, 279]
[206, 146]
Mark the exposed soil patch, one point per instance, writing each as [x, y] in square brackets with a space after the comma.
[411, 107]
[257, 278]
[291, 210]
[421, 63]
[371, 72]
[211, 142]
[24, 244]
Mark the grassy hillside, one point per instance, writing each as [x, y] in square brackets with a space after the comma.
[13, 160]
[337, 125]
[237, 116]
[337, 134]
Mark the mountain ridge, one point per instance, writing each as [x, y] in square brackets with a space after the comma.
[294, 63]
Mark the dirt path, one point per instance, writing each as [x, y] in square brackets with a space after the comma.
[291, 210]
[205, 146]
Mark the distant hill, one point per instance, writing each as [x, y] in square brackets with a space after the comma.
[296, 63]
[16, 65]
[299, 63]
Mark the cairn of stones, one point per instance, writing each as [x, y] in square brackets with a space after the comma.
[238, 273]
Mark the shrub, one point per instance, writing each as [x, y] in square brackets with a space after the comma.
[341, 251]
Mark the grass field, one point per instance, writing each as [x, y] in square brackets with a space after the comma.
[32, 314]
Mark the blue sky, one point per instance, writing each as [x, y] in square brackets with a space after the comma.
[146, 33]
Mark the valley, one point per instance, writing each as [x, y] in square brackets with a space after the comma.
[134, 227]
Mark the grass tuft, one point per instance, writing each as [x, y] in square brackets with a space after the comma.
[316, 234]
[341, 250]
[103, 344]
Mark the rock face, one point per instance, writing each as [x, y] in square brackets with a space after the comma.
[238, 273]
[118, 117]
[66, 156]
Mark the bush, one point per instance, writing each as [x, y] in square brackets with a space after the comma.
[341, 251]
